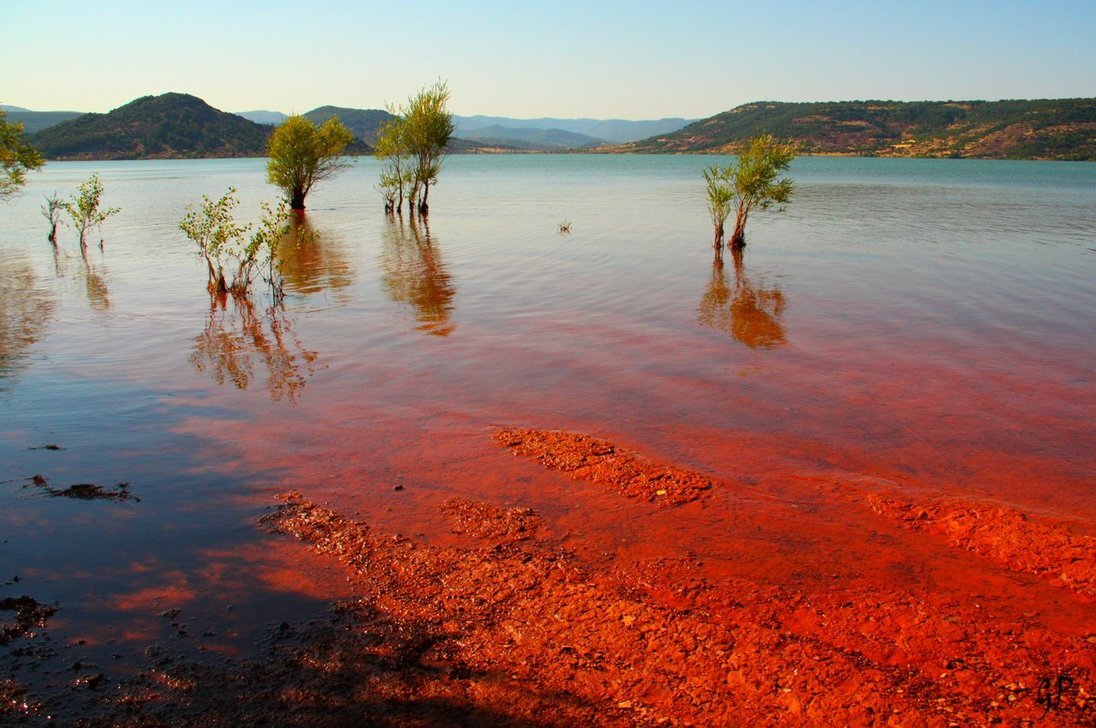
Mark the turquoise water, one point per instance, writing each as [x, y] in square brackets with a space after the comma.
[932, 322]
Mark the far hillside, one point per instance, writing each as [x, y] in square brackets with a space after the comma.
[1043, 129]
[169, 126]
[33, 121]
[362, 123]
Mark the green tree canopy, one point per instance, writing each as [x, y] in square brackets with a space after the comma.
[302, 154]
[391, 148]
[427, 128]
[16, 157]
[750, 184]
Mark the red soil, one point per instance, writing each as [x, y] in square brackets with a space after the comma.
[809, 609]
[585, 458]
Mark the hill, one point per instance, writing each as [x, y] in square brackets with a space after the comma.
[1041, 129]
[610, 130]
[363, 123]
[272, 118]
[34, 121]
[169, 126]
[529, 138]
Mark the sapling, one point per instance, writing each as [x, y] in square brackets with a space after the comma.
[85, 211]
[224, 244]
[52, 211]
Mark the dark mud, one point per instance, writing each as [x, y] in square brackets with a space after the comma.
[85, 491]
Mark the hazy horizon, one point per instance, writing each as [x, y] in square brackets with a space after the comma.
[607, 60]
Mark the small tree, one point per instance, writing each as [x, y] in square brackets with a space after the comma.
[391, 149]
[750, 184]
[52, 211]
[720, 196]
[16, 157]
[428, 126]
[222, 242]
[85, 212]
[302, 154]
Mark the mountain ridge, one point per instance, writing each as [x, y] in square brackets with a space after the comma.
[168, 126]
[1063, 129]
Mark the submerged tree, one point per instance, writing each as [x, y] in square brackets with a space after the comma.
[85, 211]
[427, 128]
[396, 172]
[720, 197]
[749, 184]
[16, 157]
[224, 243]
[302, 154]
[52, 210]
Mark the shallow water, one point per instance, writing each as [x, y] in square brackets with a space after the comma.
[931, 323]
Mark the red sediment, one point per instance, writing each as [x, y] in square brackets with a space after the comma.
[521, 628]
[586, 458]
[1020, 542]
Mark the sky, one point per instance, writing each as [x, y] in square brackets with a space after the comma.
[612, 59]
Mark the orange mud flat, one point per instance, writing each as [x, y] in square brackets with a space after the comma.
[508, 619]
[876, 611]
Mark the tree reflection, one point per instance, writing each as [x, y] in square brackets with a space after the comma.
[25, 309]
[312, 261]
[237, 340]
[414, 274]
[95, 285]
[747, 311]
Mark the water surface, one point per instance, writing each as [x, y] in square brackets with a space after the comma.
[931, 323]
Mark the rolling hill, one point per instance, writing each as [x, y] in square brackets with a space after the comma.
[609, 130]
[169, 126]
[37, 120]
[261, 116]
[1041, 129]
[530, 139]
[363, 123]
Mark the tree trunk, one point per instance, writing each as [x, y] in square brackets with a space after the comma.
[296, 200]
[53, 234]
[424, 207]
[738, 237]
[718, 242]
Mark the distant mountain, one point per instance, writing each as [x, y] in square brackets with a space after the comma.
[364, 123]
[169, 126]
[610, 130]
[9, 107]
[38, 120]
[530, 138]
[1042, 129]
[271, 118]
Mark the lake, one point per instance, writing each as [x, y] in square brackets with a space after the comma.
[930, 324]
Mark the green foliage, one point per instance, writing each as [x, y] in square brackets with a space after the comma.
[427, 128]
[16, 157]
[396, 172]
[302, 154]
[224, 244]
[52, 210]
[85, 211]
[720, 197]
[169, 126]
[750, 183]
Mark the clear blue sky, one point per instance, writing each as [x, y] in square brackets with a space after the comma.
[519, 58]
